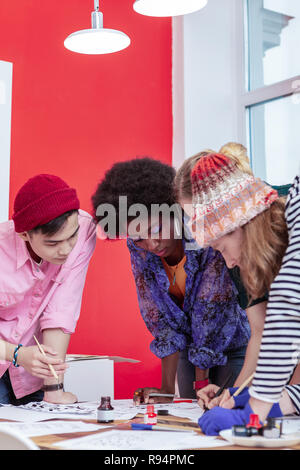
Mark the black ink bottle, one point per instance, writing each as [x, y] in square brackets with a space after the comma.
[105, 412]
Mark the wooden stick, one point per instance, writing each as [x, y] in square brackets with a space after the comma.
[49, 365]
[244, 384]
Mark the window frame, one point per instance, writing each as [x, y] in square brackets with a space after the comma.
[259, 96]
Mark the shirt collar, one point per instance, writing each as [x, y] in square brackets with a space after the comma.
[22, 252]
[58, 272]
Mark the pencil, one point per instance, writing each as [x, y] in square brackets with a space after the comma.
[244, 384]
[49, 365]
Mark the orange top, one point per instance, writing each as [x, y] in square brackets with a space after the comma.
[177, 278]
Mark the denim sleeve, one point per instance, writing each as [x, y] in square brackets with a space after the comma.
[218, 322]
[167, 340]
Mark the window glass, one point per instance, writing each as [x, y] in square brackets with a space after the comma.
[275, 139]
[273, 41]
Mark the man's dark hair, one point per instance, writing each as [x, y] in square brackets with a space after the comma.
[142, 180]
[52, 227]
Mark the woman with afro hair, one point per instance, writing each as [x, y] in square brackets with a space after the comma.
[186, 296]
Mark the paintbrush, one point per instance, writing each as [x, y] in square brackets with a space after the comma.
[49, 365]
[221, 389]
[244, 384]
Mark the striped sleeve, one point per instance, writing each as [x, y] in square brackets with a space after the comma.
[280, 346]
[294, 394]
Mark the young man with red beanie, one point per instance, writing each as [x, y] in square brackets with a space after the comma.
[45, 251]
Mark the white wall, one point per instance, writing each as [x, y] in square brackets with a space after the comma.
[209, 44]
[5, 132]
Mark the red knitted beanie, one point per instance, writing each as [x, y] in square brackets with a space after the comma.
[225, 197]
[41, 199]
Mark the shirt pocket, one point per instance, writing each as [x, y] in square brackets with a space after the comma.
[9, 305]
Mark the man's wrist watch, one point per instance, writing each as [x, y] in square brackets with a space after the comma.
[198, 384]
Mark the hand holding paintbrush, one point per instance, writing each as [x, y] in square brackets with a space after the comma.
[230, 401]
[62, 398]
[219, 392]
[227, 400]
[44, 354]
[37, 363]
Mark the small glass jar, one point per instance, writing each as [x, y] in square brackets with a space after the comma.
[105, 412]
[150, 417]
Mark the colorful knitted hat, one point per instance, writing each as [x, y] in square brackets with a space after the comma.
[41, 199]
[225, 198]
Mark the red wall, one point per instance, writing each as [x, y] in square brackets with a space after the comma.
[74, 116]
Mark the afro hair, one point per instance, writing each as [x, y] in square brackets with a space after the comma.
[142, 180]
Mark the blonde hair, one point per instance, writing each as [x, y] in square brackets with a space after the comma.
[265, 236]
[234, 151]
[264, 244]
[237, 153]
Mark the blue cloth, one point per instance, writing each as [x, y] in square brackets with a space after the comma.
[242, 399]
[7, 396]
[209, 323]
[218, 419]
[217, 374]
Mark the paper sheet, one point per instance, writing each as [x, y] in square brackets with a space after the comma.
[27, 414]
[141, 440]
[50, 427]
[123, 410]
[191, 411]
[43, 406]
[84, 357]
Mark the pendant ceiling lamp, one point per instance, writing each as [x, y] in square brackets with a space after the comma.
[167, 7]
[97, 40]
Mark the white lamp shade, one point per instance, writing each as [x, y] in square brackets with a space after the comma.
[97, 41]
[167, 7]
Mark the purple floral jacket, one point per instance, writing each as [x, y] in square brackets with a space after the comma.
[209, 323]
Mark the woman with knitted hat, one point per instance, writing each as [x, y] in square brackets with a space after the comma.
[255, 308]
[243, 218]
[45, 252]
[186, 296]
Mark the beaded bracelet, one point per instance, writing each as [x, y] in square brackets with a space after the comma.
[16, 355]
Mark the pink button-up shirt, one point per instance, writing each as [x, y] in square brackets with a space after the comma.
[36, 297]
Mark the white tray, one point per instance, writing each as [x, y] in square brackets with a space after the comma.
[286, 440]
